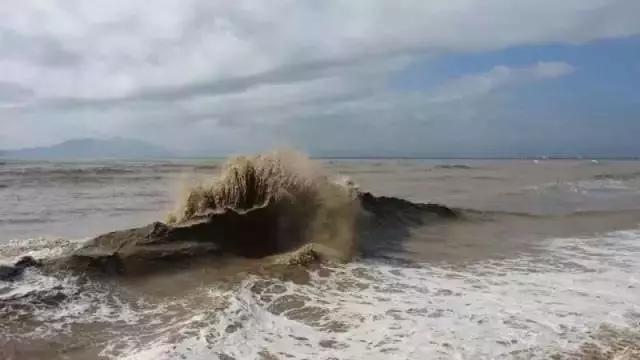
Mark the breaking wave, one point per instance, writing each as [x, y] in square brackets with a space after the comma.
[298, 202]
[283, 178]
[376, 306]
[287, 201]
[383, 310]
[258, 206]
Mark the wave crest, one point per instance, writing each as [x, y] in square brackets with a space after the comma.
[302, 200]
[247, 182]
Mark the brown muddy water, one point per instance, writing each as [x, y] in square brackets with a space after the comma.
[543, 263]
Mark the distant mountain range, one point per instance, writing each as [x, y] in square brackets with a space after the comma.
[114, 148]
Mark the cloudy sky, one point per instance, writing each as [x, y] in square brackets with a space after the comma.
[354, 77]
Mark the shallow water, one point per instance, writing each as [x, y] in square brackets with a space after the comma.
[544, 263]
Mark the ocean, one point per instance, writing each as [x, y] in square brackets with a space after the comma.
[540, 261]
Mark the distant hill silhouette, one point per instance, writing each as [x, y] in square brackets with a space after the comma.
[114, 148]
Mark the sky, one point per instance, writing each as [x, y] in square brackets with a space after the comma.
[357, 77]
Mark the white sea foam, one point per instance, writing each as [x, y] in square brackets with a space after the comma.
[586, 187]
[55, 304]
[528, 307]
[525, 307]
[38, 247]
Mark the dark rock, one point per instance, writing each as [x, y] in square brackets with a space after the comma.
[27, 261]
[255, 233]
[383, 206]
[54, 299]
[9, 273]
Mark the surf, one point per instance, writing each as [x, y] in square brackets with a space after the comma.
[258, 206]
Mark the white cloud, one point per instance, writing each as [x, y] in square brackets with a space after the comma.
[122, 47]
[552, 69]
[498, 77]
[114, 67]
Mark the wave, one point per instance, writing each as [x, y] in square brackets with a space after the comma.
[621, 177]
[376, 309]
[367, 308]
[471, 214]
[20, 169]
[53, 171]
[259, 206]
[286, 200]
[275, 203]
[453, 166]
[281, 203]
[171, 167]
[27, 220]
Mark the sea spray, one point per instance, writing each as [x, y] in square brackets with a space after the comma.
[305, 203]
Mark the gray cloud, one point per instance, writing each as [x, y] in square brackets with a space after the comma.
[290, 74]
[130, 49]
[12, 93]
[220, 71]
[40, 50]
